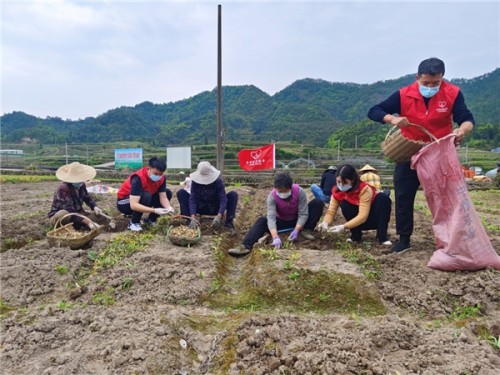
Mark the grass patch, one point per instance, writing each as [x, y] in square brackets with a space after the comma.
[461, 314]
[121, 246]
[5, 308]
[263, 287]
[16, 179]
[368, 265]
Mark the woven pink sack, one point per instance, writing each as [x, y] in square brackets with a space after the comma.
[461, 240]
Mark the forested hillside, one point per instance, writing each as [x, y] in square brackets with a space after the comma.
[308, 111]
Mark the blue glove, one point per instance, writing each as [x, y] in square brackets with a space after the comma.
[277, 242]
[294, 235]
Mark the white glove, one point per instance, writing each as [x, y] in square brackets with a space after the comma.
[161, 211]
[92, 225]
[170, 210]
[323, 227]
[336, 229]
[97, 211]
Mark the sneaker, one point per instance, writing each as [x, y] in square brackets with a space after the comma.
[231, 228]
[401, 247]
[148, 221]
[350, 240]
[134, 227]
[386, 243]
[239, 250]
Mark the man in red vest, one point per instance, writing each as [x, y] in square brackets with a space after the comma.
[145, 191]
[434, 104]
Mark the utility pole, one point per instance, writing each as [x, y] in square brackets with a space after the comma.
[220, 135]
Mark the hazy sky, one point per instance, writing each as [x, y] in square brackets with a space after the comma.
[74, 59]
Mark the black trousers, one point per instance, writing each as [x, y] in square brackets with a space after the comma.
[209, 208]
[147, 199]
[406, 184]
[315, 209]
[380, 214]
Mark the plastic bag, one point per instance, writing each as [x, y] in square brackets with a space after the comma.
[101, 189]
[462, 242]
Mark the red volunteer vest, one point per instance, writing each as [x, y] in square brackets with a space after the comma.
[352, 197]
[437, 118]
[147, 184]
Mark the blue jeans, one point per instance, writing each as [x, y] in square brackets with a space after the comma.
[318, 193]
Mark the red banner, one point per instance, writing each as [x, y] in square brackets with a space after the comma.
[257, 159]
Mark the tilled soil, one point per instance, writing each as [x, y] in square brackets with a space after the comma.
[152, 312]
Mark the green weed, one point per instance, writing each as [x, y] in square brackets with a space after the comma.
[61, 269]
[369, 265]
[494, 342]
[270, 254]
[294, 275]
[63, 305]
[120, 247]
[127, 283]
[460, 313]
[105, 298]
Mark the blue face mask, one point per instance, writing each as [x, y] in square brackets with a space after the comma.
[155, 178]
[428, 92]
[343, 187]
[77, 185]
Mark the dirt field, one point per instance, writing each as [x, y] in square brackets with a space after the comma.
[136, 304]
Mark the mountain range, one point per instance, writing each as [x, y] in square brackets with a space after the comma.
[309, 111]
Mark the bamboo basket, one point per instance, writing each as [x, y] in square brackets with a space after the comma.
[398, 148]
[67, 235]
[183, 240]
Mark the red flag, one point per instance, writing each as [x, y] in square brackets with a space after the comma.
[257, 159]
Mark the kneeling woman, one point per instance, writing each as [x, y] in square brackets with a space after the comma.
[361, 206]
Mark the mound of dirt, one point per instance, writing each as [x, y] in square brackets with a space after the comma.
[137, 304]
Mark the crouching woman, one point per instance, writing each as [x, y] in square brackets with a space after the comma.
[362, 207]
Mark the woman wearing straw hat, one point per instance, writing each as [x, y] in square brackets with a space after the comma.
[145, 191]
[430, 102]
[369, 175]
[208, 197]
[71, 195]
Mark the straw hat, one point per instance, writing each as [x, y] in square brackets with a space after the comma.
[205, 173]
[75, 172]
[367, 168]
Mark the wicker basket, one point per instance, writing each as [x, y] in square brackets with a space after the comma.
[399, 148]
[58, 237]
[183, 240]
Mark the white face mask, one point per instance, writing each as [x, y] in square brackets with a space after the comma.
[284, 195]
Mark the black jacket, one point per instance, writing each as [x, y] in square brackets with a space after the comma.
[328, 181]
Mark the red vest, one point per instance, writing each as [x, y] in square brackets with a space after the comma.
[352, 197]
[147, 184]
[437, 118]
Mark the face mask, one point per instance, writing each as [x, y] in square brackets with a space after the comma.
[428, 92]
[343, 187]
[284, 195]
[155, 178]
[78, 185]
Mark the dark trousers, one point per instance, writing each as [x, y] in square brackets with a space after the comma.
[260, 227]
[147, 199]
[380, 214]
[208, 208]
[406, 184]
